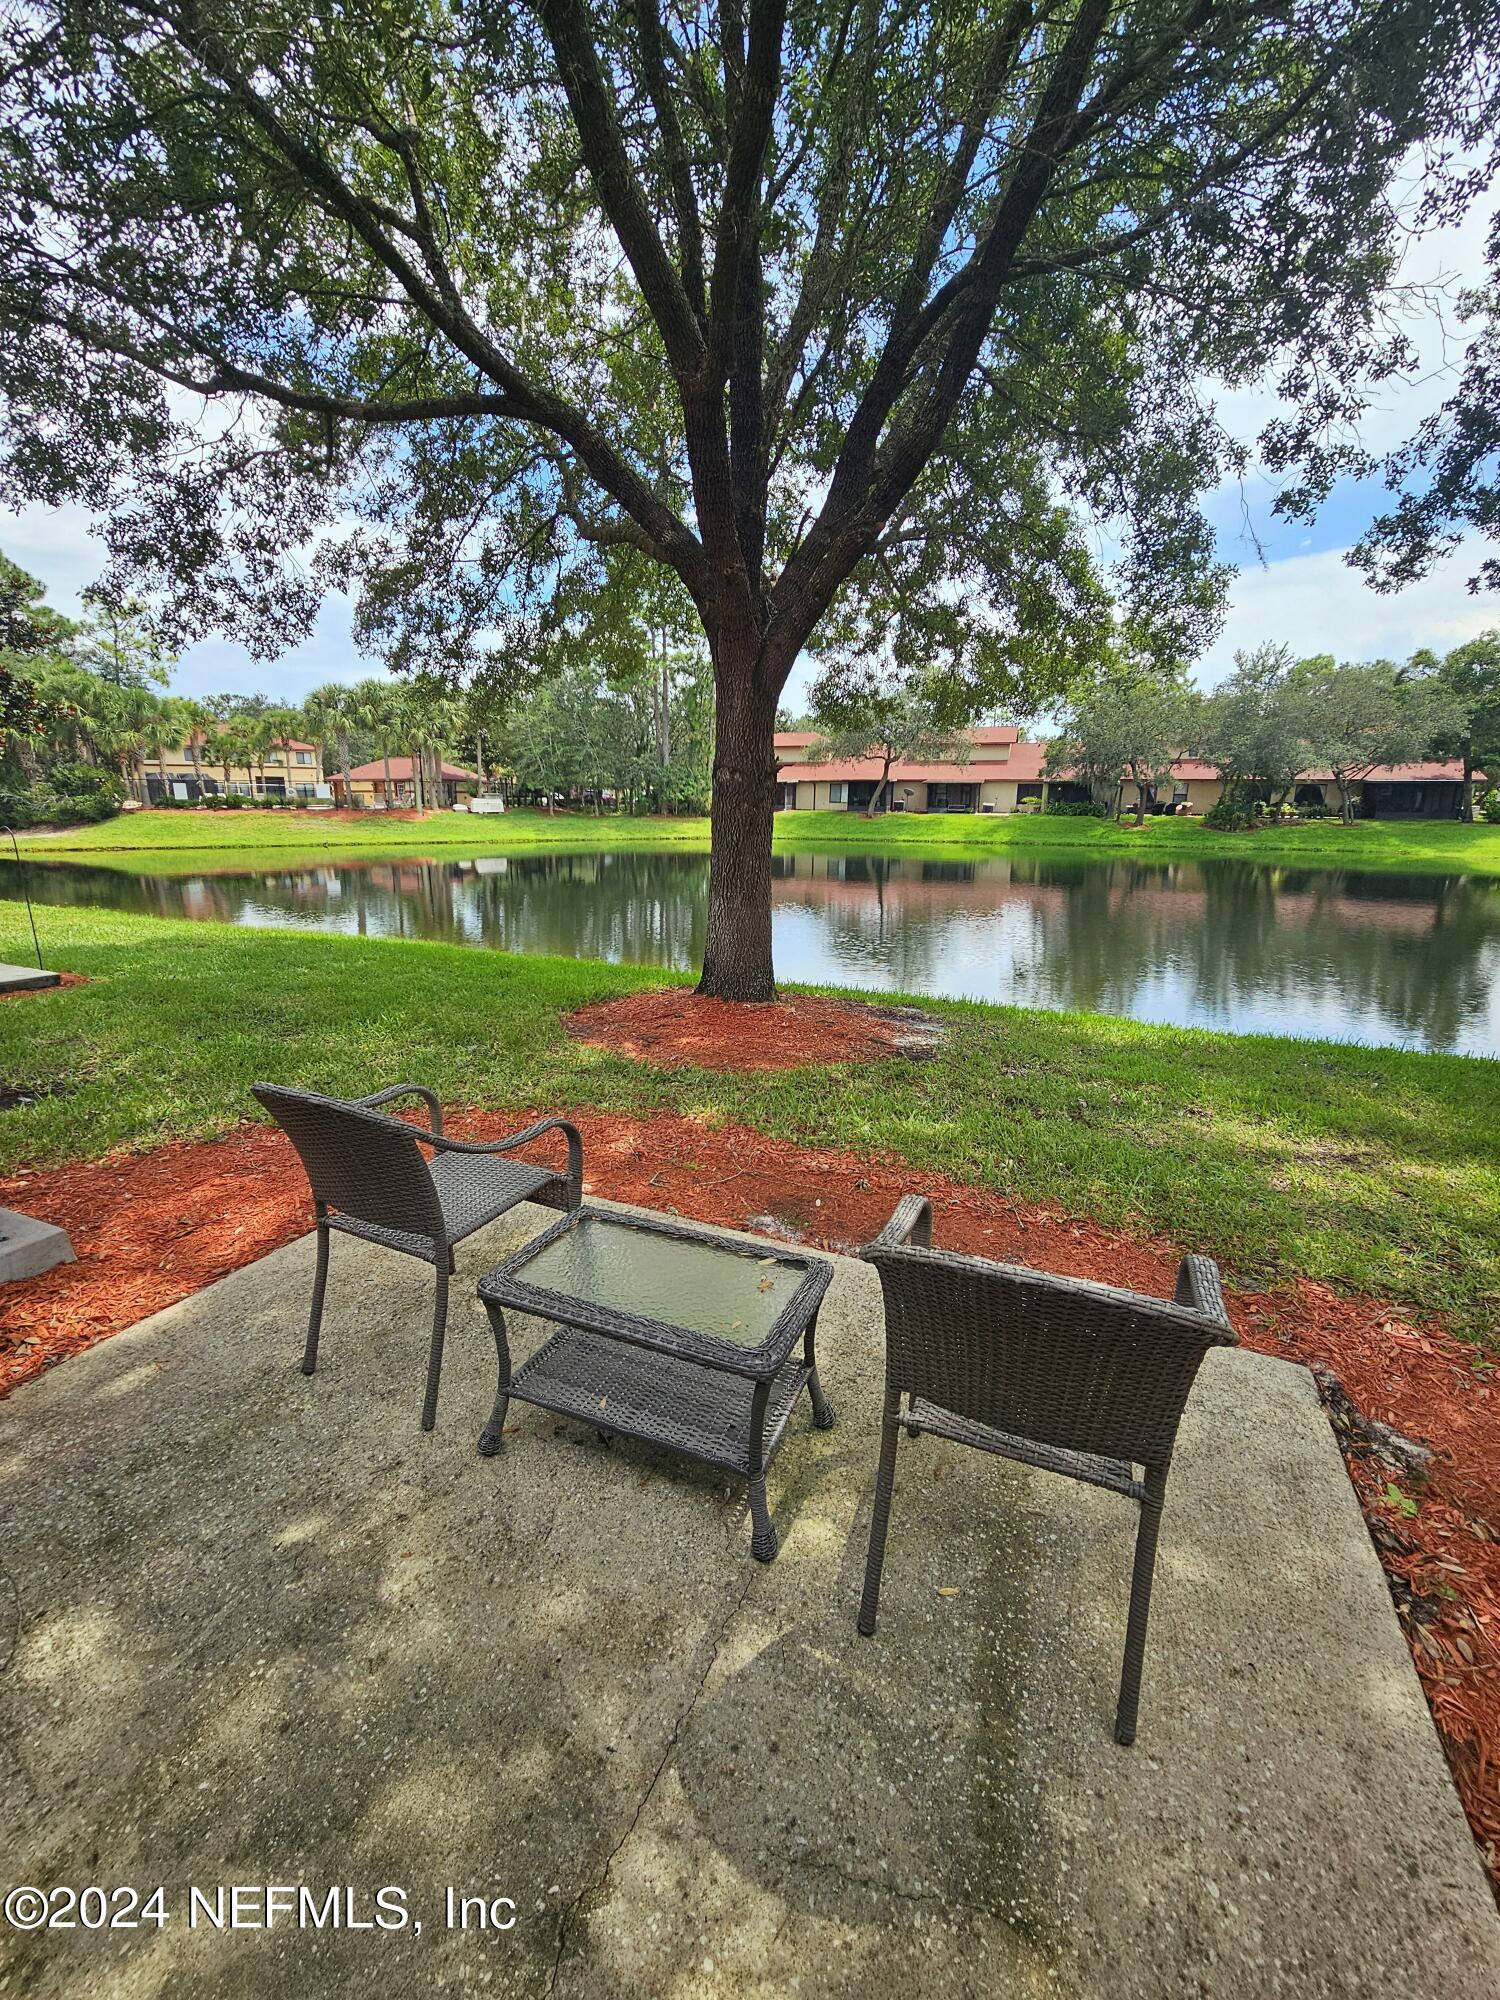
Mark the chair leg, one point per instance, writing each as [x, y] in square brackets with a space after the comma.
[885, 1480]
[320, 1286]
[435, 1353]
[1142, 1572]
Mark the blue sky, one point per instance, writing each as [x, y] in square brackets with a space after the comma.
[1296, 587]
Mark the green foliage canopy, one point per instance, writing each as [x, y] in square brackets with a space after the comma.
[826, 309]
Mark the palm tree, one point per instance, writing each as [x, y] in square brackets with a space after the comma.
[253, 732]
[236, 746]
[282, 725]
[432, 719]
[198, 722]
[129, 723]
[165, 723]
[335, 710]
[380, 706]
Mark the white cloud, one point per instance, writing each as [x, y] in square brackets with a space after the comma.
[1318, 604]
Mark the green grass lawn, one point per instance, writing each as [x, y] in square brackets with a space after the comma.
[1370, 1168]
[241, 839]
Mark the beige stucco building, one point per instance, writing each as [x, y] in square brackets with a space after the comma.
[290, 771]
[1003, 774]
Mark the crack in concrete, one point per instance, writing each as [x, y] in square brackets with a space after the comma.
[10, 1738]
[595, 1888]
[13, 1643]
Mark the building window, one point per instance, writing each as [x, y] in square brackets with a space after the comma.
[836, 795]
[304, 756]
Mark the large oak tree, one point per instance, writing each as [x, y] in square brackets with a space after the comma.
[837, 311]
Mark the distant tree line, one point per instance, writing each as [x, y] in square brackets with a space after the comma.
[1277, 717]
[87, 720]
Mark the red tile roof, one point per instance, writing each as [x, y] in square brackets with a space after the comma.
[1448, 769]
[401, 769]
[988, 733]
[1027, 764]
[869, 767]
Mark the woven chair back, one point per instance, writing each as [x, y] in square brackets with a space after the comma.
[362, 1163]
[1078, 1366]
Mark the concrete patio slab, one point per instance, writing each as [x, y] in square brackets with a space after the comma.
[261, 1631]
[26, 978]
[28, 1247]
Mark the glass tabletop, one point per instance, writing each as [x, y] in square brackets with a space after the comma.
[698, 1286]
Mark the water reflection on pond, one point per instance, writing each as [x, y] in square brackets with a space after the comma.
[1410, 959]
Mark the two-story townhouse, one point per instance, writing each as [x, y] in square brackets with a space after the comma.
[1001, 772]
[290, 772]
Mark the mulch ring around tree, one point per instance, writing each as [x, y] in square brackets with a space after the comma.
[1416, 1410]
[673, 1028]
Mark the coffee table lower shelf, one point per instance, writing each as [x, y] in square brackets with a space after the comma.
[635, 1392]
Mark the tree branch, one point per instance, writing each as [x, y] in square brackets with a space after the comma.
[571, 33]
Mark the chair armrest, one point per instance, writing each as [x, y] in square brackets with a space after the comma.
[435, 1110]
[912, 1220]
[575, 1147]
[1198, 1288]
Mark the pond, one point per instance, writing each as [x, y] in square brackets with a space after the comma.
[1406, 959]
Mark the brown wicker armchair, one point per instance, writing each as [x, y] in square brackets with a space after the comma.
[1077, 1378]
[370, 1178]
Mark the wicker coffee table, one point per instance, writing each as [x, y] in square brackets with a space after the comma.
[667, 1333]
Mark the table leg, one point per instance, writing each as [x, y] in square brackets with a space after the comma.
[492, 1437]
[823, 1416]
[764, 1541]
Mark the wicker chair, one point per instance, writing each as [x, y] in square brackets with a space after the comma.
[1077, 1378]
[370, 1178]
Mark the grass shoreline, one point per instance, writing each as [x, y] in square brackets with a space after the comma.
[1376, 1170]
[227, 840]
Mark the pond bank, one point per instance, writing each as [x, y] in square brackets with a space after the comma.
[1441, 846]
[1375, 1169]
[1407, 961]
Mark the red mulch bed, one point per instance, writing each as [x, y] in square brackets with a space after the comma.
[151, 1228]
[675, 1029]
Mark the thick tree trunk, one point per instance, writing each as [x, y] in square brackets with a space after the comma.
[737, 951]
[390, 790]
[1466, 805]
[344, 769]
